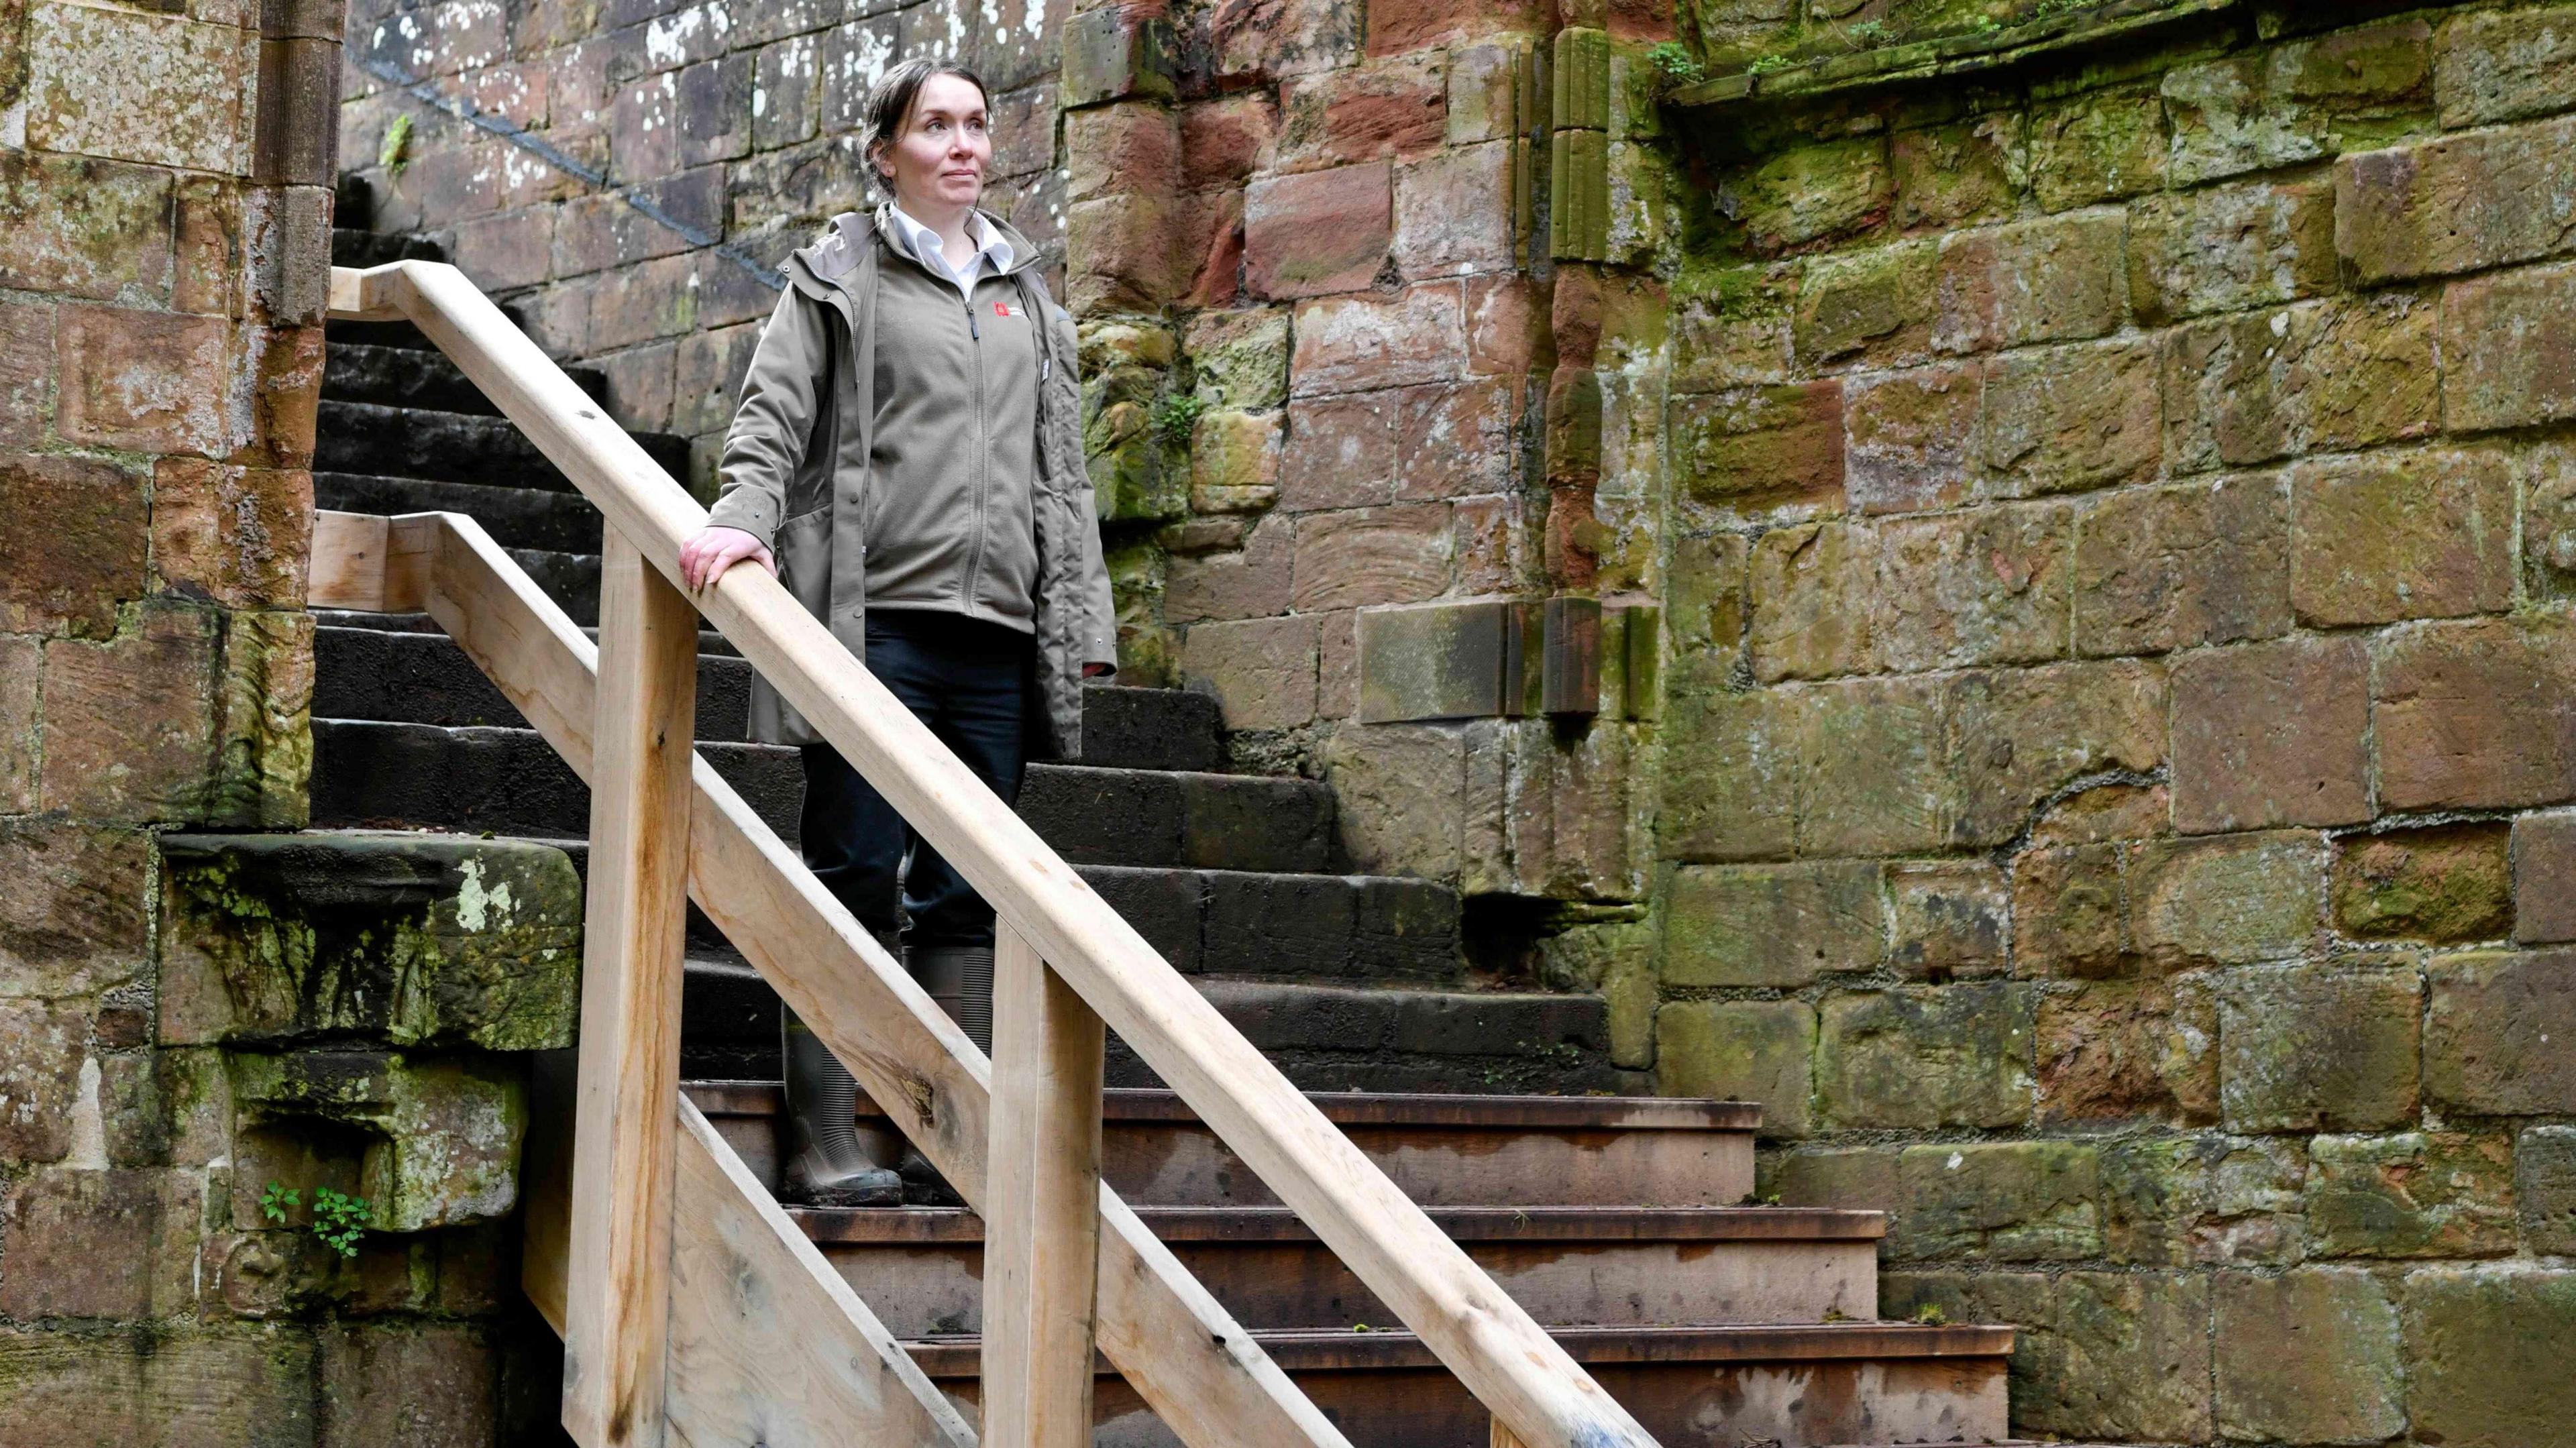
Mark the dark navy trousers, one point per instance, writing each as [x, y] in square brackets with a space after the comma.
[970, 681]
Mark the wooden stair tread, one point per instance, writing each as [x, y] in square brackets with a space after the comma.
[1362, 1108]
[885, 1226]
[1344, 1350]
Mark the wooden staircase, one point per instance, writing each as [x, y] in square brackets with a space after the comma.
[1614, 1222]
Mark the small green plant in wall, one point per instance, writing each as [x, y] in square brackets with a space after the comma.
[339, 1219]
[1674, 64]
[1175, 416]
[395, 151]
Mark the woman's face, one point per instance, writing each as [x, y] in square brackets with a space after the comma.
[937, 162]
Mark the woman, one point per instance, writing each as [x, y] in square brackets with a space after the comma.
[907, 457]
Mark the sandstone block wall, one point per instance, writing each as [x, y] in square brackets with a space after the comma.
[2113, 754]
[165, 189]
[733, 123]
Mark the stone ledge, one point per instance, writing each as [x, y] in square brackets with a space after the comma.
[1944, 56]
[365, 938]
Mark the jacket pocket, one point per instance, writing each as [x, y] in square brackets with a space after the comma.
[805, 560]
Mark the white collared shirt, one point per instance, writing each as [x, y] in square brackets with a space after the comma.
[924, 246]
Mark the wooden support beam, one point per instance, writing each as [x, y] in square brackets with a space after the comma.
[618, 1290]
[1041, 1205]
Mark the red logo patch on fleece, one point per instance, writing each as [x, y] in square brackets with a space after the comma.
[1005, 309]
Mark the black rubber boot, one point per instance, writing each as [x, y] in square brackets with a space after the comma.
[960, 979]
[828, 1163]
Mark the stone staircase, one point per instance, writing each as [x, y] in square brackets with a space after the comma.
[1613, 1218]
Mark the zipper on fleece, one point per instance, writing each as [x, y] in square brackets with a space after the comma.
[983, 465]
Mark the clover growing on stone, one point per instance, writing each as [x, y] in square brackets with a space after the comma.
[339, 1218]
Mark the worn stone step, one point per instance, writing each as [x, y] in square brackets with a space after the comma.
[1344, 1038]
[511, 781]
[424, 678]
[1691, 1387]
[462, 447]
[1400, 931]
[920, 1269]
[1372, 928]
[505, 780]
[413, 377]
[404, 668]
[1181, 818]
[1441, 1150]
[533, 518]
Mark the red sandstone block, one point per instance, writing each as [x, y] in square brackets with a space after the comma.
[26, 371]
[1251, 582]
[1492, 536]
[22, 674]
[2272, 734]
[1367, 556]
[1346, 344]
[2168, 568]
[80, 227]
[72, 921]
[2458, 204]
[140, 381]
[1366, 114]
[2067, 419]
[233, 534]
[2388, 536]
[1458, 440]
[130, 724]
[505, 252]
[1453, 212]
[1507, 325]
[2019, 736]
[69, 575]
[1262, 670]
[2475, 715]
[1395, 26]
[2059, 279]
[1118, 253]
[2509, 349]
[117, 1245]
[1223, 142]
[1283, 37]
[1129, 148]
[1318, 232]
[2228, 248]
[1907, 436]
[42, 1045]
[1339, 452]
[1207, 247]
[1762, 445]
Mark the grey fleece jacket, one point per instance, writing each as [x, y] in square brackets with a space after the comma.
[942, 469]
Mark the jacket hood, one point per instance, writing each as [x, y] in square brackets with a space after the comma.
[833, 256]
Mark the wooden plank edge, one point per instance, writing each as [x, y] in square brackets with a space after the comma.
[924, 1226]
[1308, 1350]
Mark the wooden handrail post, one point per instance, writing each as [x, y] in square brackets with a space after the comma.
[625, 1148]
[1042, 1205]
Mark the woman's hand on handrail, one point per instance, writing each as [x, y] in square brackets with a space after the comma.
[704, 558]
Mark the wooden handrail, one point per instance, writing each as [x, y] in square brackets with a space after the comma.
[1530, 1384]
